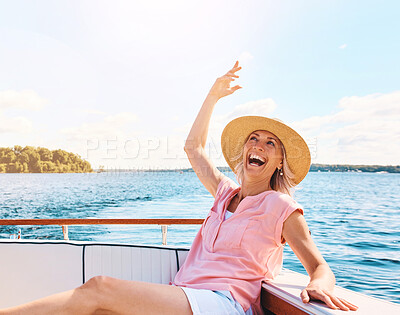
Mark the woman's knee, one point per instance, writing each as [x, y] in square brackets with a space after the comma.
[99, 284]
[97, 289]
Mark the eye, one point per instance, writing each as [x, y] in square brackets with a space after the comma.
[253, 138]
[271, 143]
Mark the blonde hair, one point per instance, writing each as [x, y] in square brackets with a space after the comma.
[282, 183]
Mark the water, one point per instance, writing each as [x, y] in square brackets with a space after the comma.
[354, 217]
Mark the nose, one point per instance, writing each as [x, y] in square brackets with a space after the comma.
[258, 147]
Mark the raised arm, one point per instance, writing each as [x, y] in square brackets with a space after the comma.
[322, 280]
[195, 143]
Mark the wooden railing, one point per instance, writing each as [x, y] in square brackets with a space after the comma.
[66, 222]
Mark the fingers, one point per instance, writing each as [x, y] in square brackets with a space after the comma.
[231, 74]
[308, 294]
[235, 68]
[338, 303]
[235, 88]
[352, 307]
[328, 298]
[304, 296]
[343, 304]
[222, 84]
[316, 295]
[230, 77]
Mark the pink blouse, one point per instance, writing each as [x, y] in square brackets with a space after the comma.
[238, 253]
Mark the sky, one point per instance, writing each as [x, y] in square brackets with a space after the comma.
[121, 82]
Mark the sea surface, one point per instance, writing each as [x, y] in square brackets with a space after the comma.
[354, 217]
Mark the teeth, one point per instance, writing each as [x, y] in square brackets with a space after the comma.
[255, 156]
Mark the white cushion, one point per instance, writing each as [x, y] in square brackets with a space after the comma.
[32, 271]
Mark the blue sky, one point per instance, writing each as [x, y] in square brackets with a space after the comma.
[120, 82]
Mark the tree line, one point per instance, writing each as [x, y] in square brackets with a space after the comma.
[343, 168]
[354, 168]
[41, 160]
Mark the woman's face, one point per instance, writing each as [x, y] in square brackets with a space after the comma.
[262, 155]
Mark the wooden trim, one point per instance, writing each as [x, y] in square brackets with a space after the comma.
[273, 304]
[97, 221]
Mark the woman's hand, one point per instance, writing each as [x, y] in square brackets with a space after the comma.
[322, 281]
[222, 86]
[316, 291]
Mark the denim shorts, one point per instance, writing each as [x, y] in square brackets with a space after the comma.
[208, 302]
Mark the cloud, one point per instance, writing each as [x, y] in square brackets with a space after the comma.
[120, 119]
[343, 46]
[245, 57]
[15, 124]
[93, 112]
[365, 130]
[262, 107]
[362, 130]
[24, 99]
[104, 141]
[110, 126]
[174, 143]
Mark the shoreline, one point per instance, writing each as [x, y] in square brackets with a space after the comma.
[326, 168]
[314, 168]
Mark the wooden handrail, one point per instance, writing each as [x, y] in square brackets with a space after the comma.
[66, 222]
[98, 221]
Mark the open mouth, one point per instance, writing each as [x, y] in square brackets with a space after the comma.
[256, 160]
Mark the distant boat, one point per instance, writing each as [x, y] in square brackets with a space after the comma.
[381, 172]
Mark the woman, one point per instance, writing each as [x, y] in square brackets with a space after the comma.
[248, 225]
[241, 241]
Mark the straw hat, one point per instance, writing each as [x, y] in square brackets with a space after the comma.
[238, 130]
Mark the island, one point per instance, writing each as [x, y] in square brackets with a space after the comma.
[41, 160]
[355, 168]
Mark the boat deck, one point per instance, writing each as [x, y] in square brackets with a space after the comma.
[32, 269]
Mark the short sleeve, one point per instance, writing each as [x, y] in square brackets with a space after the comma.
[225, 186]
[289, 206]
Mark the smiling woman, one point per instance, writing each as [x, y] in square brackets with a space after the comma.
[249, 224]
[282, 178]
[240, 243]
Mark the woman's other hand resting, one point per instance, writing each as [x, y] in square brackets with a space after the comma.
[322, 281]
[317, 290]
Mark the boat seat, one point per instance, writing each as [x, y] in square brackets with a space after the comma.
[34, 269]
[140, 263]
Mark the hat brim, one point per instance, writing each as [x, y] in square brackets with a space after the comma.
[236, 133]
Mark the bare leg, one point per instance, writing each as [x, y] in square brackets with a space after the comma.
[105, 295]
